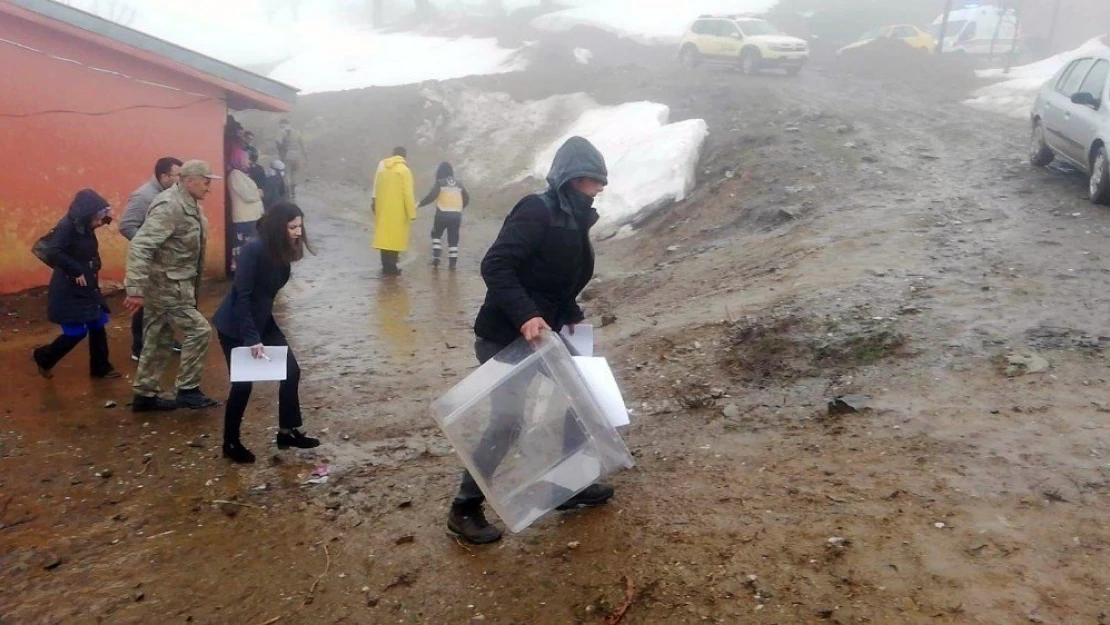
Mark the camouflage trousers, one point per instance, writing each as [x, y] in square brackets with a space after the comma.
[159, 325]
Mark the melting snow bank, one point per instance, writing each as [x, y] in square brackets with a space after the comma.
[330, 59]
[651, 163]
[645, 21]
[1014, 95]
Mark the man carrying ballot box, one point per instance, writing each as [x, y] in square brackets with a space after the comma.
[534, 271]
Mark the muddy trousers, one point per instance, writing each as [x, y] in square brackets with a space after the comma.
[49, 355]
[159, 325]
[506, 422]
[451, 222]
[289, 398]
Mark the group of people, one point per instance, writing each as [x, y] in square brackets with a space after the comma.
[394, 207]
[165, 265]
[540, 262]
[252, 187]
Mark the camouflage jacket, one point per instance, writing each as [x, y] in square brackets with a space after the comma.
[166, 258]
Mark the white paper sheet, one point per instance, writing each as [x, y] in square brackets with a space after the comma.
[246, 368]
[604, 386]
[582, 340]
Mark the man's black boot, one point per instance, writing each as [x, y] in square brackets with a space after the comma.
[194, 399]
[152, 404]
[594, 495]
[468, 522]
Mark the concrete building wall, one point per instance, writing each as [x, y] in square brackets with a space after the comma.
[65, 126]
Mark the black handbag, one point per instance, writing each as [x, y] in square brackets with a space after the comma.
[41, 249]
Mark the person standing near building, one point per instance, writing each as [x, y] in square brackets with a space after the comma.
[291, 151]
[276, 189]
[534, 271]
[246, 319]
[164, 269]
[394, 207]
[451, 198]
[166, 172]
[246, 209]
[75, 301]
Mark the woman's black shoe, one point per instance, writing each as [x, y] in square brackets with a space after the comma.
[235, 452]
[43, 371]
[294, 438]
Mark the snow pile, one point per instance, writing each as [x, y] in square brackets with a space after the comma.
[492, 136]
[646, 21]
[494, 140]
[651, 162]
[335, 59]
[1014, 95]
[583, 56]
[315, 46]
[233, 32]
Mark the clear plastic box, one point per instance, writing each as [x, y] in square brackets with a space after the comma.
[529, 430]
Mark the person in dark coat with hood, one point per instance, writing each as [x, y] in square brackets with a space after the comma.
[542, 259]
[450, 197]
[75, 301]
[246, 319]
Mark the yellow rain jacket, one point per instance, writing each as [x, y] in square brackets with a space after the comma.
[394, 205]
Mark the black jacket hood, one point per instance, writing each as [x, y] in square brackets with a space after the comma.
[445, 171]
[86, 205]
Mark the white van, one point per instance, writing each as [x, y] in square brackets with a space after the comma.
[971, 30]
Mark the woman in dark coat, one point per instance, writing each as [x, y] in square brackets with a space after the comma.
[246, 319]
[75, 301]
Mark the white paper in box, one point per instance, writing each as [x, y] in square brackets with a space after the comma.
[529, 430]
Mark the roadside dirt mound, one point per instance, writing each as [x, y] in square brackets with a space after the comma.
[894, 62]
[788, 346]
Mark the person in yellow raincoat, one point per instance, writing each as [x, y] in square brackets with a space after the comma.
[394, 207]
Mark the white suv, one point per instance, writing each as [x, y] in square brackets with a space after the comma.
[752, 43]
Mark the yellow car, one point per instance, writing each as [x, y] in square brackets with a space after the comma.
[906, 33]
[752, 43]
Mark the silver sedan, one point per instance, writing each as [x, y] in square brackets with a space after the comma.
[1071, 121]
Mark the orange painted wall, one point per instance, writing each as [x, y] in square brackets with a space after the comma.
[45, 158]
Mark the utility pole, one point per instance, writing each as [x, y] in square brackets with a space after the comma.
[997, 29]
[1017, 32]
[944, 27]
[1052, 31]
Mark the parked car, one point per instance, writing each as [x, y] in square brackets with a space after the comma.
[752, 43]
[906, 33]
[1071, 121]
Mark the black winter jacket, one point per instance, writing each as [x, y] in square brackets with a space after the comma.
[248, 307]
[542, 258]
[73, 251]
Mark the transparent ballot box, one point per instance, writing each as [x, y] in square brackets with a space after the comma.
[530, 430]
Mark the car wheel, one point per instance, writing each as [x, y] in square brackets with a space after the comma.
[749, 61]
[690, 57]
[1100, 177]
[1040, 154]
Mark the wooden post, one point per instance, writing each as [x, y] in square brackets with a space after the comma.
[944, 27]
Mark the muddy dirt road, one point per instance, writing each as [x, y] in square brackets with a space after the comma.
[846, 237]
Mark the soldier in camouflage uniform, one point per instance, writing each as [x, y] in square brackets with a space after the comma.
[164, 267]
